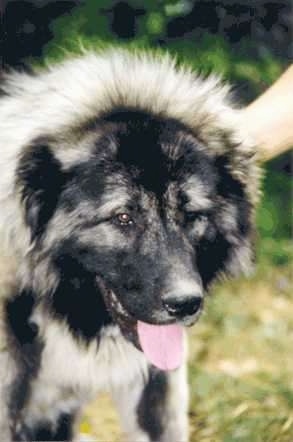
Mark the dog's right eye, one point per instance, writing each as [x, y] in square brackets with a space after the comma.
[124, 219]
[200, 216]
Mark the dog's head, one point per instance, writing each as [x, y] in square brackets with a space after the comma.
[132, 216]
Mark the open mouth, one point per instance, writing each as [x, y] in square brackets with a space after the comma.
[163, 345]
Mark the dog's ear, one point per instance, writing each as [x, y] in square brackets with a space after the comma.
[41, 181]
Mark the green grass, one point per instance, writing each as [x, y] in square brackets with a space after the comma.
[241, 365]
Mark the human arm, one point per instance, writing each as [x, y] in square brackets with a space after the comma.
[269, 119]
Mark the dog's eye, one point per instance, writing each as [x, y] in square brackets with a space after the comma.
[197, 223]
[124, 219]
[190, 217]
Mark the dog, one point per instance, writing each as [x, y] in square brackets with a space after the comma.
[126, 189]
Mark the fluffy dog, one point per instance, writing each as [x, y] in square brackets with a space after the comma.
[125, 190]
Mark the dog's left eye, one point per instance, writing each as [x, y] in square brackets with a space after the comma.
[124, 219]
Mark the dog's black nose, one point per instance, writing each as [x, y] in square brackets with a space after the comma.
[183, 306]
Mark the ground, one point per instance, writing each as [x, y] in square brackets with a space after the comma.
[240, 368]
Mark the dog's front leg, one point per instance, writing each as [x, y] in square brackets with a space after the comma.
[155, 408]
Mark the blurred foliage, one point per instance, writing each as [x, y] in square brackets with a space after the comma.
[152, 24]
[274, 216]
[276, 203]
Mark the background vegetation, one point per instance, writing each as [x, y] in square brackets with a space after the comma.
[241, 352]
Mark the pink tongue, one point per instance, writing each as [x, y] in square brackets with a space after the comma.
[162, 344]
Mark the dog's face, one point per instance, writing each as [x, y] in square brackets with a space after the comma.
[151, 216]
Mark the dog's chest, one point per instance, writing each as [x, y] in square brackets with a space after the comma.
[72, 372]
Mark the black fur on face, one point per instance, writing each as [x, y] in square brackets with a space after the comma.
[42, 181]
[150, 211]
